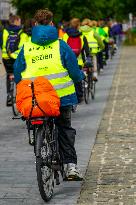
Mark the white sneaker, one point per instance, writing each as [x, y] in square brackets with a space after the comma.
[101, 70]
[73, 173]
[74, 108]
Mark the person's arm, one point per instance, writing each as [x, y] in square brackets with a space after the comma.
[86, 48]
[19, 66]
[69, 61]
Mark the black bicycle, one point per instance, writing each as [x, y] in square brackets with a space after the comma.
[12, 94]
[88, 85]
[48, 160]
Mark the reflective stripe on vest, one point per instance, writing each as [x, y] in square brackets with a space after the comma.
[45, 61]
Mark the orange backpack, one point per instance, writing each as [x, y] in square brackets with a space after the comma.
[37, 99]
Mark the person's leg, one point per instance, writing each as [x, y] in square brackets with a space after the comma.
[66, 136]
[95, 76]
[100, 60]
[106, 50]
[9, 70]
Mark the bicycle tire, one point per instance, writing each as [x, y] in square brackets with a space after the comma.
[86, 89]
[45, 174]
[13, 101]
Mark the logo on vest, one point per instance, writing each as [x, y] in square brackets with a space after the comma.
[41, 57]
[44, 68]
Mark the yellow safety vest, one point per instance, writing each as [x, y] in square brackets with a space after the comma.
[99, 33]
[46, 61]
[23, 38]
[92, 42]
[106, 29]
[79, 58]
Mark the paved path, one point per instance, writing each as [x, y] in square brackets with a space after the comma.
[111, 174]
[18, 183]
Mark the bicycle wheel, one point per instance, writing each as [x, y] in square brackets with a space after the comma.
[13, 100]
[86, 88]
[45, 174]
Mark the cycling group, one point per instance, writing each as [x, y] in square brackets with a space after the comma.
[37, 50]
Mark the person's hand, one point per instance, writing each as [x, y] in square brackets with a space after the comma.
[9, 53]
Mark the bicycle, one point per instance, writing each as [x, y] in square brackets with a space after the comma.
[49, 163]
[12, 94]
[88, 85]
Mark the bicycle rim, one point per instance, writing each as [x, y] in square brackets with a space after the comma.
[86, 92]
[45, 175]
[13, 99]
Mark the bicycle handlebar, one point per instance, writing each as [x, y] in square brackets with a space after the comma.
[18, 118]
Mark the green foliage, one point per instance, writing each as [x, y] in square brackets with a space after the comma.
[130, 38]
[65, 9]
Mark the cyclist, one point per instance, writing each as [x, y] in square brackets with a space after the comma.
[106, 40]
[74, 38]
[94, 40]
[100, 57]
[12, 41]
[46, 55]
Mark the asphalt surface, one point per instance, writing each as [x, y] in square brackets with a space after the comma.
[18, 184]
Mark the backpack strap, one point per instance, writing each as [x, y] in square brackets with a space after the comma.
[34, 101]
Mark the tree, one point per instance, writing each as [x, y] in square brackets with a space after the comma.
[66, 9]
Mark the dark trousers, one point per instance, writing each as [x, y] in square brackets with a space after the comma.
[66, 136]
[100, 60]
[79, 89]
[9, 69]
[106, 50]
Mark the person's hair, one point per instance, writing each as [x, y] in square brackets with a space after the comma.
[13, 18]
[43, 16]
[28, 24]
[94, 23]
[75, 23]
[86, 22]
